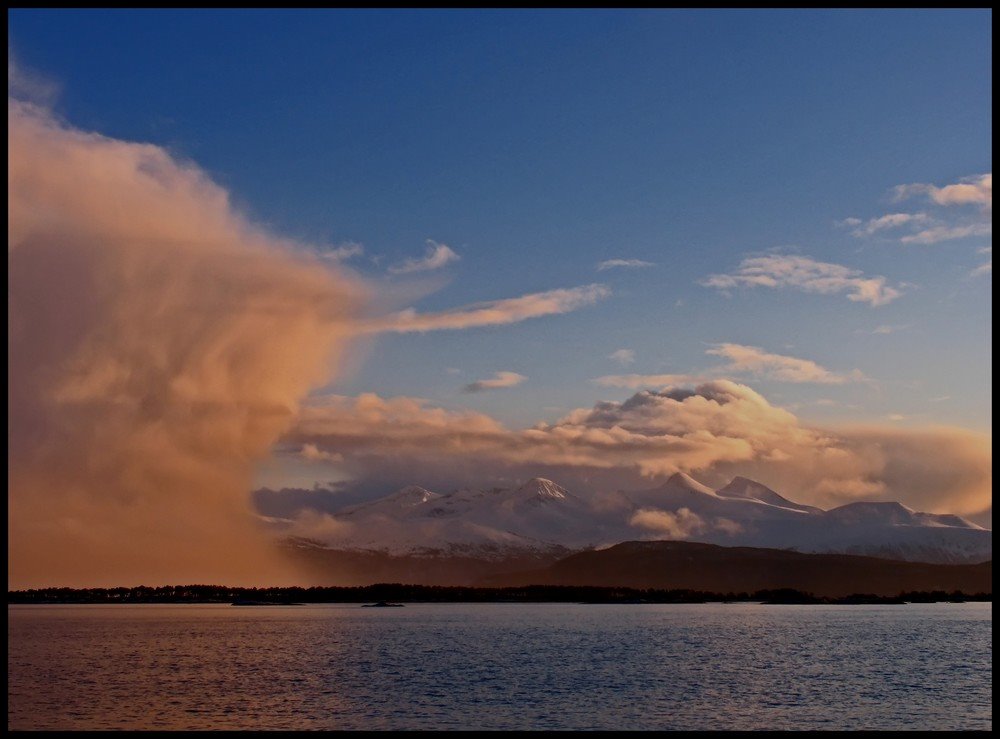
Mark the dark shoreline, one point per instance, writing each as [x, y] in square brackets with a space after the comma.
[456, 594]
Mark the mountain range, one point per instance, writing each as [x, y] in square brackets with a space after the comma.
[540, 522]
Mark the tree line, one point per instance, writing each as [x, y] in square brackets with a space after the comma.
[398, 592]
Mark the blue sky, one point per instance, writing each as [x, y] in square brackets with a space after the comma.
[538, 144]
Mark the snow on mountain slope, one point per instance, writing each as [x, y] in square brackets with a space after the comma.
[681, 491]
[542, 516]
[396, 503]
[539, 516]
[741, 487]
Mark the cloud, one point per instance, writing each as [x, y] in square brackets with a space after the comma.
[987, 267]
[983, 269]
[492, 313]
[750, 360]
[808, 275]
[885, 329]
[678, 525]
[630, 263]
[976, 189]
[924, 229]
[437, 256]
[719, 429]
[28, 86]
[652, 432]
[622, 356]
[890, 221]
[159, 343]
[755, 361]
[342, 252]
[499, 379]
[937, 234]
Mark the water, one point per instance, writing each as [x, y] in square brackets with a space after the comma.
[500, 666]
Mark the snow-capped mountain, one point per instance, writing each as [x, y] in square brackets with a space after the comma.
[543, 517]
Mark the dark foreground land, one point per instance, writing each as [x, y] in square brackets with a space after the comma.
[653, 565]
[395, 592]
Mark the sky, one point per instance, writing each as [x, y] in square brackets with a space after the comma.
[528, 218]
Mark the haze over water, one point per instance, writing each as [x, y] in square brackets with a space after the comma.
[500, 666]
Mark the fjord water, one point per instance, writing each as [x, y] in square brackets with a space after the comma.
[500, 666]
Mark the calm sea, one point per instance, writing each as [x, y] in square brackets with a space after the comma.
[500, 666]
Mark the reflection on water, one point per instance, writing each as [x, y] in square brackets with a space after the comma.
[500, 666]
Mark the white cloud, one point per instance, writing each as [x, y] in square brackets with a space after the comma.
[985, 268]
[623, 356]
[499, 379]
[755, 361]
[808, 275]
[976, 189]
[342, 252]
[612, 263]
[889, 221]
[750, 360]
[491, 313]
[937, 234]
[887, 329]
[678, 525]
[982, 269]
[437, 256]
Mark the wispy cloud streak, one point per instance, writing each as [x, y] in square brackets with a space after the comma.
[499, 380]
[807, 275]
[492, 313]
[627, 263]
[437, 256]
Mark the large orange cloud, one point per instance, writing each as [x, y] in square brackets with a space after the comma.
[159, 343]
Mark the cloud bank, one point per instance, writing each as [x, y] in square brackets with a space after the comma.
[718, 429]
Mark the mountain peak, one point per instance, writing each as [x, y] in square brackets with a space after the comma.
[868, 512]
[412, 495]
[685, 481]
[539, 487]
[747, 489]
